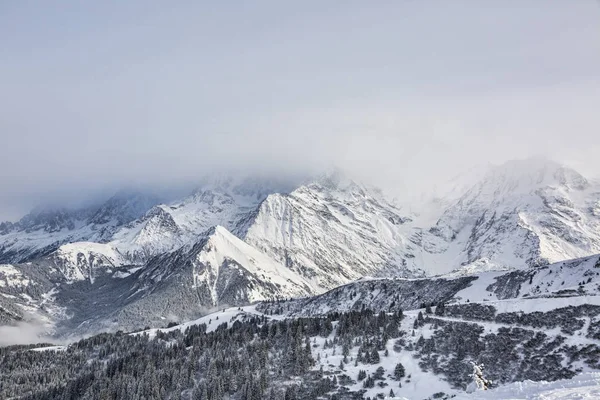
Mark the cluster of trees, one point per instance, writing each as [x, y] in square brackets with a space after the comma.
[569, 319]
[276, 360]
[252, 360]
[510, 354]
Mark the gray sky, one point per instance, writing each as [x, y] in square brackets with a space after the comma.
[96, 95]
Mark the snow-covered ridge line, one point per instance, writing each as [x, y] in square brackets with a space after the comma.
[333, 230]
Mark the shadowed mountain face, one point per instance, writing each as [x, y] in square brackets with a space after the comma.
[134, 261]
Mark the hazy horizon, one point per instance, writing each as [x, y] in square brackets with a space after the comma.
[103, 96]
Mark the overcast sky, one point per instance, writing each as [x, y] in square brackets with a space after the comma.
[96, 95]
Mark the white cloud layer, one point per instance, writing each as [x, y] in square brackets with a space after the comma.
[96, 96]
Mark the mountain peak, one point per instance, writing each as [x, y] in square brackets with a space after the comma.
[530, 173]
[124, 207]
[49, 219]
[256, 187]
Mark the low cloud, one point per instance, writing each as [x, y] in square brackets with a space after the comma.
[23, 333]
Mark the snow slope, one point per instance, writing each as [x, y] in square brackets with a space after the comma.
[582, 387]
[419, 383]
[223, 249]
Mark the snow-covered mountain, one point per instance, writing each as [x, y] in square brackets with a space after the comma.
[522, 213]
[91, 293]
[45, 229]
[131, 227]
[240, 240]
[333, 231]
[221, 269]
[226, 201]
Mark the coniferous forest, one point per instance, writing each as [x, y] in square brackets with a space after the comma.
[259, 358]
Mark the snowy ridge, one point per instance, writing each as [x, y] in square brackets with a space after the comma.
[333, 231]
[222, 249]
[523, 213]
[79, 260]
[44, 230]
[572, 282]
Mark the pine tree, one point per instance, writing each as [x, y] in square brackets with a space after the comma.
[362, 374]
[399, 371]
[374, 358]
[369, 382]
[440, 309]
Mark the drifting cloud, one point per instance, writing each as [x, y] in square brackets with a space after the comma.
[23, 333]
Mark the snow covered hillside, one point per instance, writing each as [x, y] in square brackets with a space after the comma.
[581, 387]
[560, 283]
[406, 338]
[417, 354]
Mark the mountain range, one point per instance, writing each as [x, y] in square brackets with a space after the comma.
[135, 260]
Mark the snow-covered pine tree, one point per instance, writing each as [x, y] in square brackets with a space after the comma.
[399, 371]
[479, 381]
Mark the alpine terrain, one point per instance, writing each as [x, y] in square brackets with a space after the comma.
[333, 288]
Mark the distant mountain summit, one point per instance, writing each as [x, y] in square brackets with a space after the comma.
[44, 230]
[524, 213]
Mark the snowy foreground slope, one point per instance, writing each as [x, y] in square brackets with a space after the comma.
[356, 355]
[553, 337]
[581, 387]
[541, 324]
